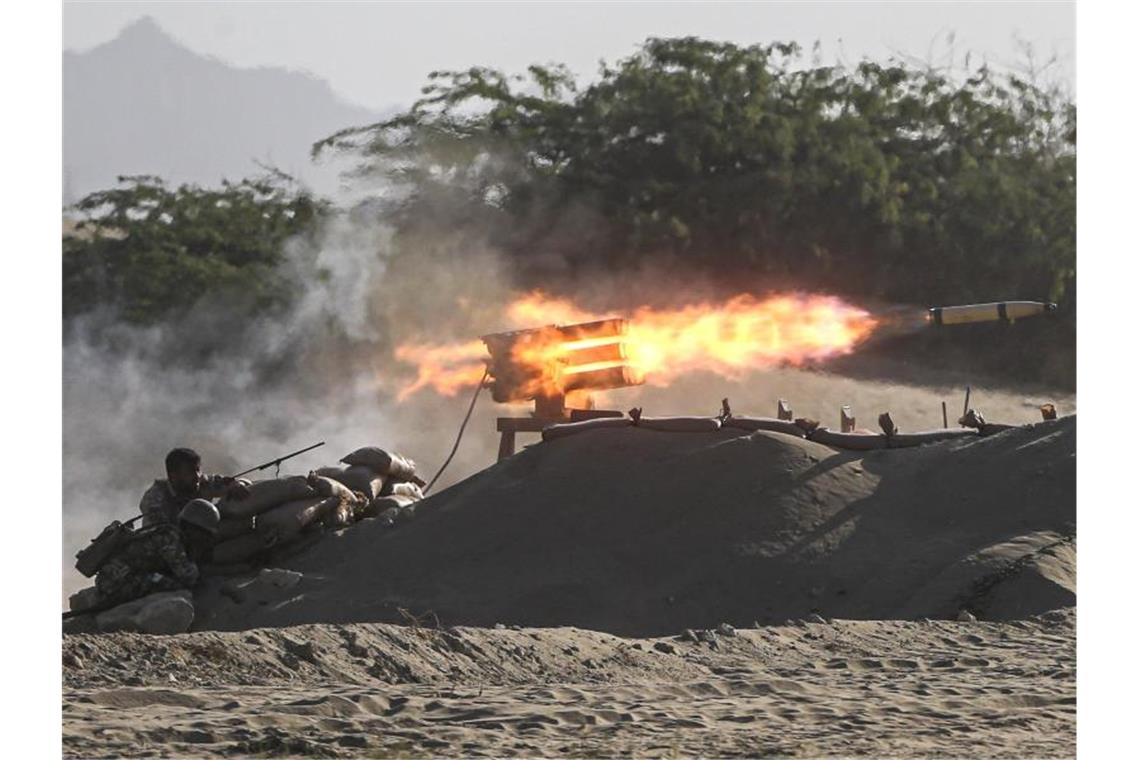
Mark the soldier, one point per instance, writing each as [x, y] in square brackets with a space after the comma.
[164, 557]
[184, 481]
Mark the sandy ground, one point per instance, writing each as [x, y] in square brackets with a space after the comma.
[832, 688]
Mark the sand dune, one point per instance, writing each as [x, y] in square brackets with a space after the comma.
[837, 688]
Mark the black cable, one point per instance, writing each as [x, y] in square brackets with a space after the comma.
[462, 427]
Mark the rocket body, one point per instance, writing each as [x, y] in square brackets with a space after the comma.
[1005, 311]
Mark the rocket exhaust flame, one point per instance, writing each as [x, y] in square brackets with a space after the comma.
[650, 345]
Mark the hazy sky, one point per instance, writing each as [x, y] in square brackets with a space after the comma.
[379, 54]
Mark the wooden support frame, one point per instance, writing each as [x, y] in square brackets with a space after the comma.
[509, 426]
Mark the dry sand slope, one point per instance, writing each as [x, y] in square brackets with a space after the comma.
[835, 688]
[640, 532]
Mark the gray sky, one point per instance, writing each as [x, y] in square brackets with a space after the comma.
[379, 54]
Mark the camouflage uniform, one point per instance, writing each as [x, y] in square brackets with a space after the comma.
[155, 560]
[161, 505]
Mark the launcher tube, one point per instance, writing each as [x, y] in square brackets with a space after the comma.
[987, 312]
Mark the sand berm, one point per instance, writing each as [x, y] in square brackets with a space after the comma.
[645, 533]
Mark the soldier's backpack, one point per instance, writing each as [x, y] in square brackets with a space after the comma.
[103, 547]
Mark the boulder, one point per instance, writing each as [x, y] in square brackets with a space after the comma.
[164, 613]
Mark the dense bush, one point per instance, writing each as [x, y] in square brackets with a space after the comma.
[148, 252]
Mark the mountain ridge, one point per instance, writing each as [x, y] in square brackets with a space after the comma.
[144, 103]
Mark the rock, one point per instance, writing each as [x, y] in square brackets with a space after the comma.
[234, 591]
[163, 613]
[689, 635]
[815, 617]
[724, 629]
[965, 616]
[666, 647]
[279, 578]
[83, 599]
[73, 660]
[706, 635]
[500, 627]
[80, 624]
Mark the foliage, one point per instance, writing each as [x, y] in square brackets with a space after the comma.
[882, 180]
[150, 252]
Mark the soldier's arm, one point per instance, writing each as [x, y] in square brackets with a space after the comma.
[217, 486]
[213, 486]
[152, 505]
[174, 555]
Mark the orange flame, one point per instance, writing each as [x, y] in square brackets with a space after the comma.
[731, 339]
[447, 368]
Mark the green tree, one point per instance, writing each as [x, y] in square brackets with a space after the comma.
[879, 180]
[149, 252]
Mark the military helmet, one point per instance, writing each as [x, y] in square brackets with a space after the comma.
[202, 514]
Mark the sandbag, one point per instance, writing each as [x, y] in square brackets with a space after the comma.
[355, 478]
[680, 424]
[906, 440]
[853, 441]
[563, 429]
[752, 424]
[379, 506]
[382, 462]
[411, 490]
[283, 523]
[238, 549]
[266, 494]
[231, 527]
[329, 487]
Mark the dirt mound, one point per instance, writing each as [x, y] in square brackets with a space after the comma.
[641, 532]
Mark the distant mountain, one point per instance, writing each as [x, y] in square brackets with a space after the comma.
[144, 104]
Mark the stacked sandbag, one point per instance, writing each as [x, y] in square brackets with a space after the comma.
[391, 479]
[393, 509]
[264, 495]
[355, 478]
[382, 462]
[330, 504]
[238, 541]
[284, 523]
